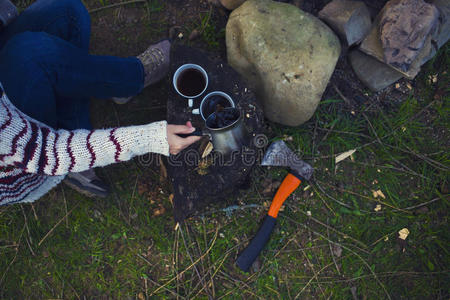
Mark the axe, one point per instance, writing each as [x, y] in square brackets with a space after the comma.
[278, 154]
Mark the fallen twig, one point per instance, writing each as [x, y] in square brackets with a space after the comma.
[189, 267]
[56, 225]
[345, 236]
[14, 258]
[314, 271]
[192, 260]
[347, 101]
[65, 205]
[345, 247]
[367, 197]
[331, 252]
[116, 5]
[422, 204]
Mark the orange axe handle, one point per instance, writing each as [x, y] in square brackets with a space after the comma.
[287, 187]
[248, 256]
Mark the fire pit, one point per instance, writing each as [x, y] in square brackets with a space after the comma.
[199, 179]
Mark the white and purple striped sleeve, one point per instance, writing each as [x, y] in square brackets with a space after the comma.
[36, 148]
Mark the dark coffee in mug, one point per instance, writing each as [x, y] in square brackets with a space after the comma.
[191, 82]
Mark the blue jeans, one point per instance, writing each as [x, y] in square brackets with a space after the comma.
[46, 70]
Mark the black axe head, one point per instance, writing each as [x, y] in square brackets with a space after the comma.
[278, 154]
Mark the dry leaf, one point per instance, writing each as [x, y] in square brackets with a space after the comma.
[141, 296]
[271, 187]
[171, 198]
[434, 78]
[344, 155]
[337, 250]
[377, 208]
[378, 193]
[403, 234]
[209, 147]
[159, 211]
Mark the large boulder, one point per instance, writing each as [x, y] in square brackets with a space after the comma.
[231, 4]
[286, 55]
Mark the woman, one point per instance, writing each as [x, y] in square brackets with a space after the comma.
[47, 77]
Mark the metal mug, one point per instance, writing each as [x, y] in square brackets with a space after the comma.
[203, 110]
[180, 71]
[230, 138]
[225, 139]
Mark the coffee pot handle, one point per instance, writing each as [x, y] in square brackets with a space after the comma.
[197, 132]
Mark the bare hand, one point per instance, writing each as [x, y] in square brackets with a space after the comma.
[176, 143]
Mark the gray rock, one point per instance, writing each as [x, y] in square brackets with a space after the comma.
[349, 19]
[231, 4]
[286, 55]
[442, 34]
[373, 73]
[371, 45]
[404, 28]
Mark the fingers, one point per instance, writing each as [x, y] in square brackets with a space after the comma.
[182, 128]
[190, 140]
[182, 143]
[176, 143]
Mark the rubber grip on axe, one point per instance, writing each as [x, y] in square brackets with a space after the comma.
[248, 256]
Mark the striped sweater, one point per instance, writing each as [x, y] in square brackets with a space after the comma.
[34, 158]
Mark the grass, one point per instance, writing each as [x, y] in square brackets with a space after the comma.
[331, 241]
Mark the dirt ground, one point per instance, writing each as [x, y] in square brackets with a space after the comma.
[336, 238]
[127, 30]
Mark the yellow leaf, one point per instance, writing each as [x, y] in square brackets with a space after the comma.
[344, 155]
[403, 233]
[380, 193]
[209, 147]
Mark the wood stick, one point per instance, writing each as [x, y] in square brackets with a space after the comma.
[56, 225]
[115, 5]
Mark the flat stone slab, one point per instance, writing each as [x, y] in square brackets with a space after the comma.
[349, 19]
[198, 182]
[372, 45]
[404, 28]
[373, 73]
